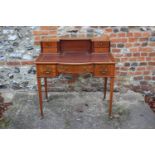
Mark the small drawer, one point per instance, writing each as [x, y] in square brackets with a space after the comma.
[49, 47]
[104, 70]
[75, 68]
[46, 70]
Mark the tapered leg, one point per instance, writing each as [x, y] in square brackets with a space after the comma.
[40, 96]
[45, 84]
[111, 95]
[105, 87]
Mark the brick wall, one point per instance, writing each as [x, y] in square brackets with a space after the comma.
[132, 47]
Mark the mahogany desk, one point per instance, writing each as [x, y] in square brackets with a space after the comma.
[75, 56]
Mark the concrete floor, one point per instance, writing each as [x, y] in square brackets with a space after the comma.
[78, 110]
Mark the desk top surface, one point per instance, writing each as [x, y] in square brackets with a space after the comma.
[75, 58]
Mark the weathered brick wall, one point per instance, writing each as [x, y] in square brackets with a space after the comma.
[132, 47]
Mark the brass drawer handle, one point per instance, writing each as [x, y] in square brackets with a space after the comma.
[104, 71]
[48, 72]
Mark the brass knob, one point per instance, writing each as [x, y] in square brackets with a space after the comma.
[104, 71]
[48, 71]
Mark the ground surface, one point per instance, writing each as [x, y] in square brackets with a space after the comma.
[77, 110]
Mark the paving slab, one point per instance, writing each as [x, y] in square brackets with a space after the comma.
[78, 110]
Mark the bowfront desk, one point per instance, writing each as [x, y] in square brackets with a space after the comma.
[75, 56]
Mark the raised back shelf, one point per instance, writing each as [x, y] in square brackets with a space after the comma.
[76, 45]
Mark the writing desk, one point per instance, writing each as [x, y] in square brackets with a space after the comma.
[75, 56]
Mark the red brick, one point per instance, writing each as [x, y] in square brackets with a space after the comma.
[153, 59]
[151, 63]
[132, 39]
[152, 44]
[113, 35]
[136, 54]
[144, 54]
[140, 59]
[143, 39]
[128, 54]
[45, 27]
[53, 27]
[36, 32]
[113, 45]
[153, 78]
[108, 30]
[115, 50]
[37, 38]
[134, 49]
[123, 73]
[140, 68]
[138, 73]
[117, 68]
[27, 62]
[117, 55]
[41, 32]
[48, 38]
[124, 59]
[148, 58]
[13, 63]
[146, 34]
[147, 77]
[45, 32]
[121, 34]
[124, 68]
[143, 63]
[137, 34]
[136, 44]
[132, 59]
[150, 68]
[128, 45]
[146, 72]
[53, 32]
[131, 73]
[152, 54]
[37, 43]
[145, 49]
[130, 34]
[119, 40]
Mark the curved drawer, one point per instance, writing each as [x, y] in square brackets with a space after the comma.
[75, 68]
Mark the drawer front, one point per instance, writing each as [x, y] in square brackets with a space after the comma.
[104, 70]
[46, 70]
[75, 68]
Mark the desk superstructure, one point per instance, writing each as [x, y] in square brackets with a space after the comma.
[75, 56]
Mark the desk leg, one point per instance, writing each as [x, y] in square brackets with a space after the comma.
[40, 96]
[45, 84]
[105, 87]
[111, 95]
